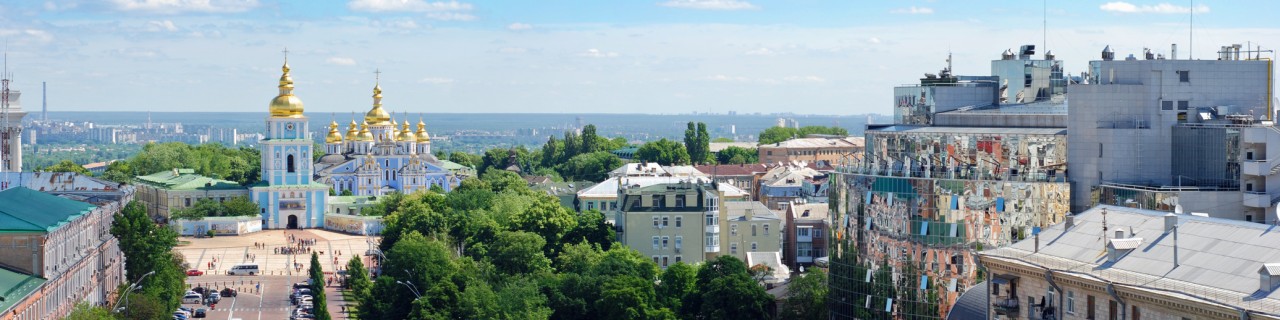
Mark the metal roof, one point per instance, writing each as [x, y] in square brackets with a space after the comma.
[185, 179]
[967, 130]
[609, 187]
[26, 210]
[972, 304]
[15, 287]
[1218, 259]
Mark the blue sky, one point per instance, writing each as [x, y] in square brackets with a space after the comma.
[656, 56]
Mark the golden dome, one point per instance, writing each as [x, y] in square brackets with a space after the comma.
[364, 133]
[286, 105]
[422, 135]
[405, 134]
[377, 116]
[333, 136]
[352, 132]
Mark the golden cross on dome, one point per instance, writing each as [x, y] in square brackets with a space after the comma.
[377, 76]
[286, 54]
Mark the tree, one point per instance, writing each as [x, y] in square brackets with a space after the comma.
[737, 155]
[519, 252]
[319, 304]
[722, 140]
[358, 279]
[465, 159]
[552, 152]
[779, 134]
[676, 284]
[572, 145]
[664, 152]
[727, 291]
[67, 166]
[84, 311]
[807, 296]
[204, 207]
[240, 207]
[147, 247]
[592, 228]
[703, 144]
[593, 166]
[547, 218]
[590, 141]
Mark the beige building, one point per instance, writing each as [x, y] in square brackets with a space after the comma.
[828, 150]
[604, 195]
[692, 222]
[165, 191]
[1122, 263]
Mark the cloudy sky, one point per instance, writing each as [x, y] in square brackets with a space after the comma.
[590, 56]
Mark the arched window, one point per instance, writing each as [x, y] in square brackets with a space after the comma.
[289, 163]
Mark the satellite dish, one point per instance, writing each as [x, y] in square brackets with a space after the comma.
[1177, 209]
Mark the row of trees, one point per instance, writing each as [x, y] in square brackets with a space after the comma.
[211, 159]
[493, 249]
[780, 134]
[154, 280]
[234, 207]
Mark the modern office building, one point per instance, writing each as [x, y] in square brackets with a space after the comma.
[972, 162]
[1113, 262]
[1161, 134]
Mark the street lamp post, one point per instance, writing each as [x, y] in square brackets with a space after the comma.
[132, 287]
[412, 288]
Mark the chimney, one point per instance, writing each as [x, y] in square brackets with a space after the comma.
[1037, 242]
[750, 214]
[1170, 222]
[1173, 52]
[1071, 222]
[1120, 234]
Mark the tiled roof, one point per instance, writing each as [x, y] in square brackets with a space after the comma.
[26, 210]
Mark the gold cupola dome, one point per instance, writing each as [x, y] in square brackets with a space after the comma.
[364, 133]
[352, 132]
[286, 105]
[405, 134]
[377, 116]
[422, 135]
[333, 136]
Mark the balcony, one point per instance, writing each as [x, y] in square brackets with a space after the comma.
[715, 228]
[1254, 199]
[712, 249]
[1257, 167]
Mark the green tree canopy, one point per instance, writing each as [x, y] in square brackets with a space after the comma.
[67, 166]
[779, 134]
[593, 166]
[807, 296]
[737, 155]
[664, 152]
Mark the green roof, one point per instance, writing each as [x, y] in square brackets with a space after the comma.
[23, 209]
[451, 166]
[15, 286]
[185, 179]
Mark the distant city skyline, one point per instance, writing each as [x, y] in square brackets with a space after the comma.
[659, 56]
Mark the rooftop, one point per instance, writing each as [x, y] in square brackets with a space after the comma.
[965, 130]
[609, 187]
[737, 211]
[818, 143]
[25, 210]
[185, 179]
[810, 211]
[15, 286]
[1218, 259]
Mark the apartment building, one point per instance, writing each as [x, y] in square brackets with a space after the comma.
[672, 222]
[805, 238]
[1113, 262]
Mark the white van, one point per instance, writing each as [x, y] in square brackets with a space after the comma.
[243, 269]
[192, 298]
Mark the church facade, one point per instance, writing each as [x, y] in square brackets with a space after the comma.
[373, 159]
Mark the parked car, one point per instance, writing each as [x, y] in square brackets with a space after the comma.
[193, 298]
[200, 313]
[194, 272]
[199, 290]
[229, 292]
[301, 285]
[214, 297]
[187, 309]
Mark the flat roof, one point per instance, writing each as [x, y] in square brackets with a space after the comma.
[966, 130]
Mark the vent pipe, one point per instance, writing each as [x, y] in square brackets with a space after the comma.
[1173, 52]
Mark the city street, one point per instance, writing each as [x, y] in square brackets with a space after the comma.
[266, 296]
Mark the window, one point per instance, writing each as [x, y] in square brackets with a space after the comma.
[660, 201]
[1184, 104]
[664, 261]
[1050, 297]
[733, 229]
[753, 229]
[186, 202]
[665, 240]
[678, 259]
[665, 221]
[711, 219]
[804, 249]
[766, 229]
[753, 246]
[679, 201]
[678, 222]
[655, 221]
[613, 205]
[655, 259]
[679, 242]
[1071, 302]
[289, 163]
[655, 242]
[591, 205]
[655, 201]
[1137, 313]
[803, 232]
[1099, 155]
[733, 248]
[1166, 105]
[1184, 76]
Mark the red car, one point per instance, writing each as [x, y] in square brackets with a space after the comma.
[194, 272]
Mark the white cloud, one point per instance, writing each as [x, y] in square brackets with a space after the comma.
[435, 80]
[400, 24]
[451, 16]
[180, 6]
[406, 5]
[813, 79]
[1125, 7]
[25, 36]
[761, 52]
[55, 6]
[157, 26]
[709, 4]
[913, 10]
[519, 26]
[721, 77]
[874, 40]
[596, 53]
[340, 61]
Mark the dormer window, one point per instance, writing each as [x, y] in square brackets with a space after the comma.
[1117, 248]
[1269, 276]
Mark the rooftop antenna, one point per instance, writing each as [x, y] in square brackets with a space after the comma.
[1191, 34]
[4, 106]
[1044, 28]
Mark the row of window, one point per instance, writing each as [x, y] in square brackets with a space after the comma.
[664, 240]
[733, 247]
[665, 260]
[611, 205]
[733, 229]
[665, 221]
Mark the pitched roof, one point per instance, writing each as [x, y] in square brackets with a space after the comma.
[15, 286]
[185, 179]
[26, 210]
[609, 187]
[810, 211]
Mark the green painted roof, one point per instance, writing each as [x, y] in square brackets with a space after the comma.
[185, 179]
[14, 286]
[451, 166]
[26, 210]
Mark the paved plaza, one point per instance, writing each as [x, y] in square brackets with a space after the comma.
[266, 296]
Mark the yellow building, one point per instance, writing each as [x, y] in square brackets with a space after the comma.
[691, 222]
